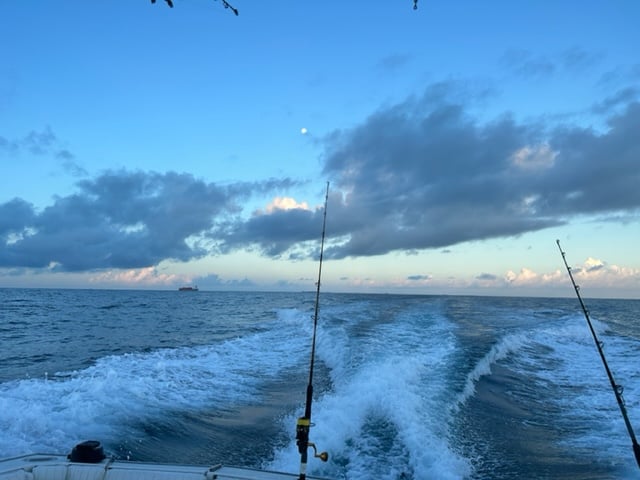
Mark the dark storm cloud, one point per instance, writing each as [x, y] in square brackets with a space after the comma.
[425, 174]
[119, 220]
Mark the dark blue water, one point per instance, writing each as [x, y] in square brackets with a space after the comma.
[408, 387]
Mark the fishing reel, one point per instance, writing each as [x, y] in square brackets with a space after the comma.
[302, 440]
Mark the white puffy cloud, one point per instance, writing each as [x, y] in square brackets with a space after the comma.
[534, 157]
[286, 203]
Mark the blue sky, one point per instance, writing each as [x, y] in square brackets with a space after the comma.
[144, 146]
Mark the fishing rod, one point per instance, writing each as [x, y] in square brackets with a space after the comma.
[304, 423]
[617, 389]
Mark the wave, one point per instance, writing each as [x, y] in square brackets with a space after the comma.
[382, 417]
[414, 387]
[556, 382]
[122, 391]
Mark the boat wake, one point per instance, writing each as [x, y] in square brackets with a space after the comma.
[405, 388]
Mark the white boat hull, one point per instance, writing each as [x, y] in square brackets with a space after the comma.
[59, 467]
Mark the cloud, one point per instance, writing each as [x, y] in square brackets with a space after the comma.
[524, 64]
[15, 217]
[593, 265]
[276, 232]
[421, 174]
[526, 276]
[123, 220]
[578, 60]
[393, 63]
[215, 282]
[285, 203]
[622, 97]
[534, 157]
[43, 143]
[38, 143]
[620, 76]
[147, 276]
[426, 174]
[417, 278]
[592, 272]
[487, 277]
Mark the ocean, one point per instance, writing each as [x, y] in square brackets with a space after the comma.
[406, 387]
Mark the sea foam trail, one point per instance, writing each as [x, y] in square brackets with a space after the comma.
[563, 374]
[119, 393]
[383, 416]
[582, 390]
[521, 344]
[388, 368]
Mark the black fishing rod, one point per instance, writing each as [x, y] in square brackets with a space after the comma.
[617, 389]
[304, 423]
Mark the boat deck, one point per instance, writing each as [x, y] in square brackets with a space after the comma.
[58, 467]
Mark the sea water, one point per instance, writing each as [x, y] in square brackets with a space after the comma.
[405, 387]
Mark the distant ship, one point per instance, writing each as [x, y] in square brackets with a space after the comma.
[189, 289]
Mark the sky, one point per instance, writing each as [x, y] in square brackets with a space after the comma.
[149, 147]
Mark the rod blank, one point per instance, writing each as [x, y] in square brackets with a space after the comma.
[617, 389]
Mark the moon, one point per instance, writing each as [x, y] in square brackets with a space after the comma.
[303, 131]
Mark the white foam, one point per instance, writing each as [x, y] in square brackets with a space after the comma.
[120, 391]
[384, 415]
[562, 363]
[582, 388]
[503, 348]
